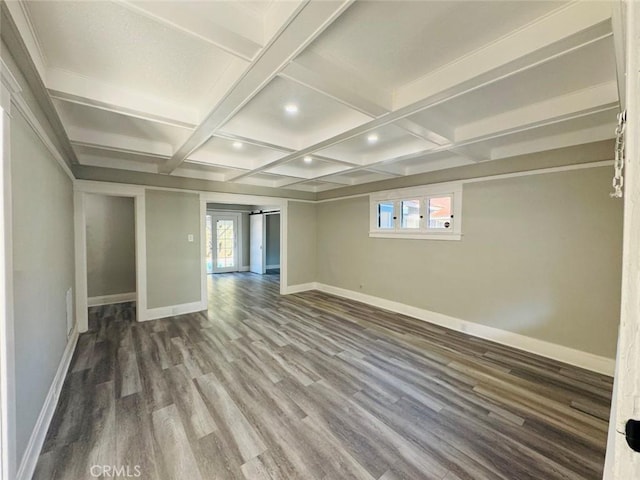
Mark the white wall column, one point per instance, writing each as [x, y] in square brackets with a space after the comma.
[622, 462]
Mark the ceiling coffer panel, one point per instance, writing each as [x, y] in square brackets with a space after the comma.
[319, 95]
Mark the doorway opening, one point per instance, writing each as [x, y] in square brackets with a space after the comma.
[111, 257]
[242, 238]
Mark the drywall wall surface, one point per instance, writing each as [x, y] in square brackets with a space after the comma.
[540, 256]
[111, 245]
[301, 243]
[273, 239]
[173, 262]
[43, 270]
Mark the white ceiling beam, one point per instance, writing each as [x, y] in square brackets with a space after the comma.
[308, 173]
[225, 81]
[91, 92]
[420, 131]
[290, 182]
[377, 169]
[252, 141]
[575, 105]
[555, 35]
[308, 23]
[332, 80]
[278, 148]
[619, 42]
[278, 14]
[20, 13]
[245, 45]
[596, 98]
[341, 84]
[576, 19]
[324, 176]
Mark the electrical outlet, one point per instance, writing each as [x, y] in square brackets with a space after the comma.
[190, 237]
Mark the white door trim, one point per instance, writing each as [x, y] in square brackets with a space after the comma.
[80, 227]
[241, 199]
[8, 454]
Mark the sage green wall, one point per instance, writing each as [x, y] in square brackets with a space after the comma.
[173, 263]
[273, 239]
[43, 270]
[540, 256]
[301, 243]
[111, 245]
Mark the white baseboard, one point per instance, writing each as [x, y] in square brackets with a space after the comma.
[32, 452]
[163, 312]
[109, 299]
[302, 287]
[269, 267]
[554, 351]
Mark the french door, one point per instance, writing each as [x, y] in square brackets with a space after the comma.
[222, 243]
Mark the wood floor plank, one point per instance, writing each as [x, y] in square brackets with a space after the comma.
[193, 411]
[127, 373]
[312, 386]
[177, 459]
[228, 414]
[134, 439]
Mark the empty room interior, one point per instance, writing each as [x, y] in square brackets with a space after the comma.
[320, 239]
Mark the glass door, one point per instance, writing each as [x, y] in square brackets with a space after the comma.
[222, 243]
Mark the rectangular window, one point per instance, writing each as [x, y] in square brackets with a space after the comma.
[440, 212]
[429, 212]
[385, 215]
[410, 214]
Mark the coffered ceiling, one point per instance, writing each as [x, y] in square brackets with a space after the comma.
[321, 94]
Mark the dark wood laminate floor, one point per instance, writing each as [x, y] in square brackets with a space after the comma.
[311, 386]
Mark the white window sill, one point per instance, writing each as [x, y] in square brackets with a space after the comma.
[416, 236]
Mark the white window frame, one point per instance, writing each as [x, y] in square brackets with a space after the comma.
[423, 193]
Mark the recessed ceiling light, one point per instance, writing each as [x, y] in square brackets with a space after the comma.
[237, 144]
[291, 108]
[308, 159]
[372, 138]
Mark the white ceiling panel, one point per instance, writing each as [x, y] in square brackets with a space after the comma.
[112, 43]
[86, 123]
[243, 91]
[380, 144]
[394, 42]
[234, 153]
[98, 157]
[267, 179]
[582, 68]
[300, 168]
[425, 163]
[318, 117]
[205, 172]
[586, 129]
[358, 176]
[209, 19]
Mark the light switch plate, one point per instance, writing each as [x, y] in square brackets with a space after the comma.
[190, 237]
